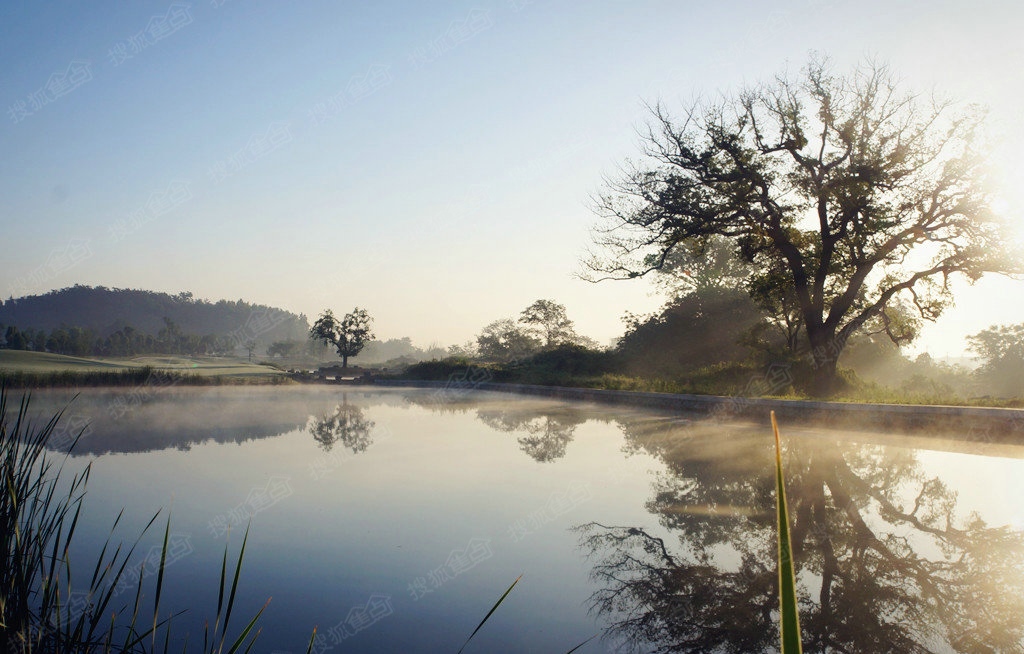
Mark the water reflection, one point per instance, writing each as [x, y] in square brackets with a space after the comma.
[109, 421]
[543, 429]
[545, 433]
[885, 560]
[180, 419]
[346, 425]
[681, 545]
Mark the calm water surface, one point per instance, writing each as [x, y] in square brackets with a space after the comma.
[394, 518]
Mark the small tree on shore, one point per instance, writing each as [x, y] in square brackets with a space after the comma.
[1000, 349]
[506, 340]
[548, 321]
[348, 335]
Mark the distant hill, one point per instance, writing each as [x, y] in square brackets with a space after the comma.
[106, 310]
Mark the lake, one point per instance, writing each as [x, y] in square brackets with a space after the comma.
[394, 518]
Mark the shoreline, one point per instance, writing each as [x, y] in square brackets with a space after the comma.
[982, 424]
[971, 423]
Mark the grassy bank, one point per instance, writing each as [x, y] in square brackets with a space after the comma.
[597, 370]
[21, 369]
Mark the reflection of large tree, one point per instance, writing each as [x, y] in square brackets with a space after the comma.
[545, 428]
[346, 425]
[546, 431]
[885, 563]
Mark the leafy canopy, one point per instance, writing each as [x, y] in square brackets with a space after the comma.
[348, 335]
[846, 195]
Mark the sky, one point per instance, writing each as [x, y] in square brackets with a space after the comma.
[434, 163]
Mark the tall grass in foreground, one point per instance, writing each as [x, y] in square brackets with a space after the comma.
[39, 513]
[789, 617]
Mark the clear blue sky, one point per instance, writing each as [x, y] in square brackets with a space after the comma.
[430, 162]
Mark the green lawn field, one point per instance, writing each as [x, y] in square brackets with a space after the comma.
[43, 362]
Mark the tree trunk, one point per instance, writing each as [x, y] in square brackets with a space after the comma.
[344, 361]
[825, 351]
[826, 380]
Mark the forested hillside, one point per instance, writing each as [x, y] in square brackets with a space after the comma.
[107, 311]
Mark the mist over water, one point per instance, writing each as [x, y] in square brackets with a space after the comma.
[394, 518]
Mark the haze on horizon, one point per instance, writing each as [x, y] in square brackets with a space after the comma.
[431, 164]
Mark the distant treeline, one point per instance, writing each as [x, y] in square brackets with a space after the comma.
[391, 353]
[716, 339]
[99, 313]
[127, 341]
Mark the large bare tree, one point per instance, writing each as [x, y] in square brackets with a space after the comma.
[849, 195]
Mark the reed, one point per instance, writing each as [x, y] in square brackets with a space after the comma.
[40, 509]
[789, 616]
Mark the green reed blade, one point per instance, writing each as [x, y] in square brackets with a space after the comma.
[489, 613]
[789, 617]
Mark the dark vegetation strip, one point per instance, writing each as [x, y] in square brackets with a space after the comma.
[577, 367]
[145, 376]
